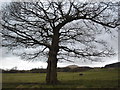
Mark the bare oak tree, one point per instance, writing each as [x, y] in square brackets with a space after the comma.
[59, 30]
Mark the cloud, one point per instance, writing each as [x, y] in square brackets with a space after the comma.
[14, 61]
[10, 62]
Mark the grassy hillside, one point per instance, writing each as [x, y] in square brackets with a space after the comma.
[95, 78]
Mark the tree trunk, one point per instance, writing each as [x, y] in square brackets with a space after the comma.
[51, 77]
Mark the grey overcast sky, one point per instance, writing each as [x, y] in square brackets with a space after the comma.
[8, 61]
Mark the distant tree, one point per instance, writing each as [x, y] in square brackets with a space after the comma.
[59, 30]
[14, 68]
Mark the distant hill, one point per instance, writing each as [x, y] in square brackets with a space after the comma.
[72, 66]
[113, 65]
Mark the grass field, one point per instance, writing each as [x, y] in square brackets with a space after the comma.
[95, 78]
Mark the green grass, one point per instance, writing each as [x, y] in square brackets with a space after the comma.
[95, 78]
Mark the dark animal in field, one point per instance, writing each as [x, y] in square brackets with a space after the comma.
[81, 74]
